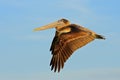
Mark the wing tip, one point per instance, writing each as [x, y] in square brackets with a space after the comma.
[100, 37]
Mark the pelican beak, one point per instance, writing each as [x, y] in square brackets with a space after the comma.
[51, 25]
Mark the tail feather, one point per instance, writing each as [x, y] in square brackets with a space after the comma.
[99, 36]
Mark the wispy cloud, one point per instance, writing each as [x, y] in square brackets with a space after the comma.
[78, 5]
[83, 10]
[94, 74]
[88, 74]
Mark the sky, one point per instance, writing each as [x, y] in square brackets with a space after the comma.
[25, 55]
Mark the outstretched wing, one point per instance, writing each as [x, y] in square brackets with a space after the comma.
[64, 45]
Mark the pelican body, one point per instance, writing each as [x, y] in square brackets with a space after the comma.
[68, 38]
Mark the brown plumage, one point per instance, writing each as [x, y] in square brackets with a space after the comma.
[68, 38]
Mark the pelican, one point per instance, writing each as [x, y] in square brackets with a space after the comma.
[68, 38]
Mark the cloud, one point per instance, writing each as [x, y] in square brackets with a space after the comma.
[78, 5]
[84, 10]
[86, 74]
[94, 74]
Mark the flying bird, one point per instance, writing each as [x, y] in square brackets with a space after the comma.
[68, 38]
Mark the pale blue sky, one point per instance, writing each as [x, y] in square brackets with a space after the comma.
[24, 55]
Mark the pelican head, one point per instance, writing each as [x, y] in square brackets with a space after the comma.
[57, 24]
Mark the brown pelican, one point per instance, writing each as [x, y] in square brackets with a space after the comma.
[68, 38]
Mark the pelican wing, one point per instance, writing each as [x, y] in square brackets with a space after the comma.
[64, 45]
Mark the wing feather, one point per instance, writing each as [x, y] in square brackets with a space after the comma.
[66, 44]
